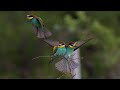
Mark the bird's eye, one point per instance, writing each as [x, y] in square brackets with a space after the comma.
[71, 45]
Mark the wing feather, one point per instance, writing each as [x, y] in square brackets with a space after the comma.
[78, 44]
[66, 66]
[51, 42]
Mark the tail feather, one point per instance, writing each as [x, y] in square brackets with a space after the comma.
[60, 66]
[73, 64]
[66, 67]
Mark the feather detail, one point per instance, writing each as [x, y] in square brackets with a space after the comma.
[47, 33]
[51, 42]
[66, 66]
[78, 44]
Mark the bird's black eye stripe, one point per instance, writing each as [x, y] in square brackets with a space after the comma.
[29, 15]
[71, 45]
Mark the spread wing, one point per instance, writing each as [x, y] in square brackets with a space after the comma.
[51, 42]
[66, 66]
[78, 44]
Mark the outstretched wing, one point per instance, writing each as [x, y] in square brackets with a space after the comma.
[61, 66]
[47, 33]
[66, 66]
[51, 42]
[78, 44]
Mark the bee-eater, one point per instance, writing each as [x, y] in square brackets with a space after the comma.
[59, 48]
[38, 26]
[67, 65]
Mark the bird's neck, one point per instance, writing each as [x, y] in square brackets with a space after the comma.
[69, 48]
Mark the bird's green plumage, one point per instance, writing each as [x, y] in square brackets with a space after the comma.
[36, 22]
[67, 65]
[65, 51]
[38, 27]
[60, 51]
[69, 52]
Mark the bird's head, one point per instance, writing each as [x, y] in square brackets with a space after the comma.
[30, 17]
[61, 45]
[72, 44]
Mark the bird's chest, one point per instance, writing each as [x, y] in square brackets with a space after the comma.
[36, 22]
[69, 53]
[61, 51]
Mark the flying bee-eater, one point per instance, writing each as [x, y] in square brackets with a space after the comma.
[59, 48]
[38, 26]
[67, 64]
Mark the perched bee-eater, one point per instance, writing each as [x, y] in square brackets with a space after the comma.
[38, 26]
[67, 64]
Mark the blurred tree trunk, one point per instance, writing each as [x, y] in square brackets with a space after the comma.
[76, 58]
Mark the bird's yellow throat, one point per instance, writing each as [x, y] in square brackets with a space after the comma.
[61, 46]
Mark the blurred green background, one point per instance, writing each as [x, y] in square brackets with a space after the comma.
[19, 45]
